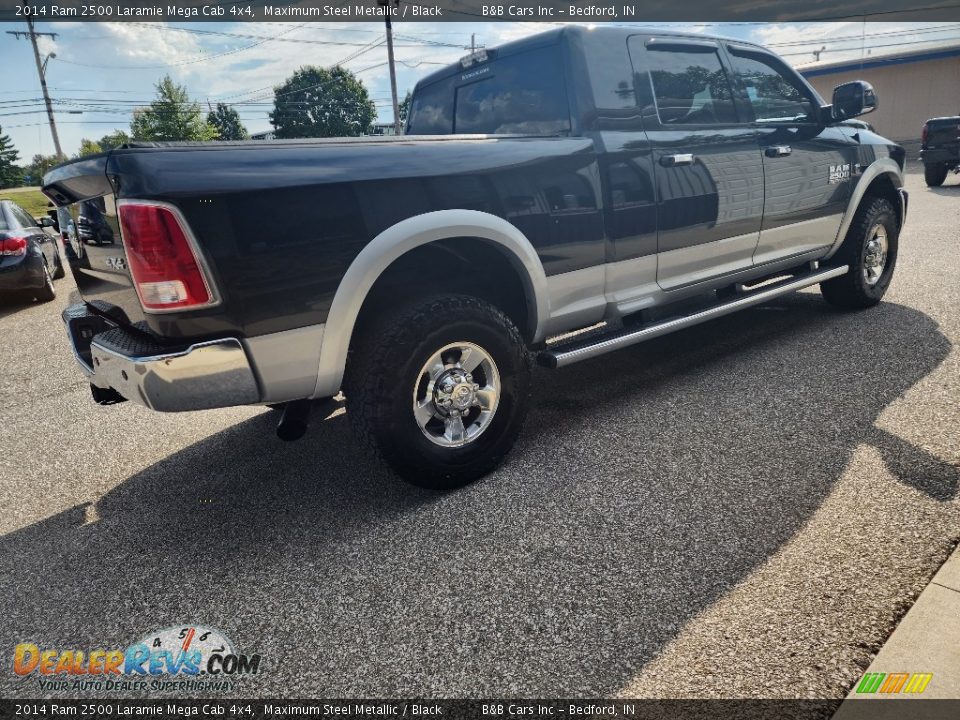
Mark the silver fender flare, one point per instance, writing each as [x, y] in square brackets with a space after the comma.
[884, 166]
[398, 239]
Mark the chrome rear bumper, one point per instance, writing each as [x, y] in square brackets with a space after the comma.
[209, 374]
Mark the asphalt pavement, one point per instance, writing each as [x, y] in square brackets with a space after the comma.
[743, 509]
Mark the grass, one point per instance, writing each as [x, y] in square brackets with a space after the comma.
[29, 198]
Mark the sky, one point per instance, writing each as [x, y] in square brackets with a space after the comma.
[101, 71]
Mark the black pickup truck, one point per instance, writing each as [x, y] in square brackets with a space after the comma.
[940, 149]
[640, 180]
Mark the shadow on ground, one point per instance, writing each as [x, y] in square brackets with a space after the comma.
[948, 188]
[648, 482]
[11, 303]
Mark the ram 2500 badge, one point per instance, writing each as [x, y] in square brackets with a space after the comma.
[643, 179]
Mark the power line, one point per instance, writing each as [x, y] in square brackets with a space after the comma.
[858, 38]
[205, 58]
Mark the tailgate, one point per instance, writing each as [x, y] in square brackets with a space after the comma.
[92, 244]
[943, 132]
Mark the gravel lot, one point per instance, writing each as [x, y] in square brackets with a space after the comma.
[742, 509]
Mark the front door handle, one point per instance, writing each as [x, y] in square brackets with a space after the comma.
[674, 160]
[778, 150]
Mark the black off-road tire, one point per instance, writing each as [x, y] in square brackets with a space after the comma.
[47, 292]
[852, 291]
[934, 174]
[382, 376]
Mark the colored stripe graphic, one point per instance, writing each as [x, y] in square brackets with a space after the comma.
[918, 682]
[893, 683]
[870, 682]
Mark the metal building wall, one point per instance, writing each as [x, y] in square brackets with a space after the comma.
[909, 93]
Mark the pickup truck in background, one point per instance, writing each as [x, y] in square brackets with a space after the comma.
[637, 180]
[940, 149]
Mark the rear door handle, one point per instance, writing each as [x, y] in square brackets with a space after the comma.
[674, 160]
[778, 150]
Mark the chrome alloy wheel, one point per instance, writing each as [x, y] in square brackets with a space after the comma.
[875, 259]
[456, 394]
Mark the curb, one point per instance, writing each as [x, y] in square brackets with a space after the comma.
[920, 660]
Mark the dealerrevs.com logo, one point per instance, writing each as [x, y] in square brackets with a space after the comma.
[186, 658]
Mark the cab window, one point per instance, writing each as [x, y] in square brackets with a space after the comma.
[690, 86]
[774, 95]
[431, 111]
[523, 94]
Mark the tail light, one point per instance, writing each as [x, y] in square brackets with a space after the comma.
[924, 133]
[164, 263]
[13, 246]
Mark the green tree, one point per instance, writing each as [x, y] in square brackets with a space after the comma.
[38, 167]
[172, 116]
[89, 147]
[316, 102]
[10, 174]
[227, 122]
[404, 108]
[113, 140]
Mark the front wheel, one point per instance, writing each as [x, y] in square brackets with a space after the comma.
[934, 174]
[440, 390]
[870, 249]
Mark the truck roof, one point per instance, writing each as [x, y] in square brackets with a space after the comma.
[607, 32]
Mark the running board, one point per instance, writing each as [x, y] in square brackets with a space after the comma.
[577, 351]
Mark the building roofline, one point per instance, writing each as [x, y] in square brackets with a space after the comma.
[902, 58]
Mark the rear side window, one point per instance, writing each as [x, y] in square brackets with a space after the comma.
[523, 94]
[4, 223]
[690, 86]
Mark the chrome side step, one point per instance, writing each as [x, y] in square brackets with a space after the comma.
[575, 352]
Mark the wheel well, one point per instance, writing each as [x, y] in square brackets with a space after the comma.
[468, 266]
[882, 186]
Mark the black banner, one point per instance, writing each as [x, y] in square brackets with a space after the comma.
[492, 709]
[546, 11]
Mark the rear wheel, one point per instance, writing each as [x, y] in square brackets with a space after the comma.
[935, 174]
[58, 271]
[47, 292]
[440, 389]
[870, 249]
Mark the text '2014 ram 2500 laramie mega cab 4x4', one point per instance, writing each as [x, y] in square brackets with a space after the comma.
[638, 178]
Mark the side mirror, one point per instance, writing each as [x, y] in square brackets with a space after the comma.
[853, 99]
[44, 222]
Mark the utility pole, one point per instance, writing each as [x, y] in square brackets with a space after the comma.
[473, 45]
[388, 6]
[41, 71]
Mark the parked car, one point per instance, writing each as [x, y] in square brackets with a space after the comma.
[29, 256]
[940, 149]
[580, 176]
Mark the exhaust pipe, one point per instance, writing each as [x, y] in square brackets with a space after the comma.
[294, 421]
